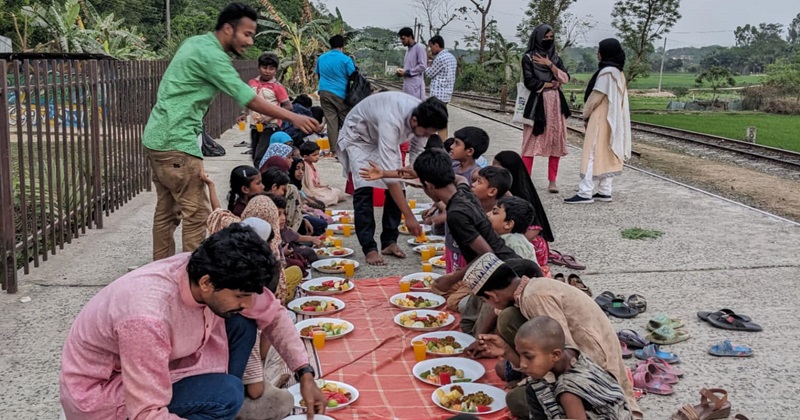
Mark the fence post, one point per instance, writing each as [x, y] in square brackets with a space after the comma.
[97, 173]
[8, 255]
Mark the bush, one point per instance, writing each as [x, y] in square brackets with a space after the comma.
[476, 78]
[756, 98]
[680, 91]
[783, 107]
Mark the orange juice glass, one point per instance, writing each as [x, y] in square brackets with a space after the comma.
[329, 233]
[260, 127]
[420, 350]
[428, 253]
[427, 267]
[412, 204]
[241, 125]
[405, 286]
[344, 220]
[349, 269]
[329, 212]
[337, 242]
[318, 338]
[346, 229]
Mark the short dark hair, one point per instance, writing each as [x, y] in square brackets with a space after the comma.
[308, 148]
[303, 100]
[448, 144]
[435, 167]
[268, 59]
[280, 202]
[235, 258]
[318, 113]
[233, 13]
[518, 211]
[406, 32]
[336, 41]
[434, 142]
[432, 113]
[438, 40]
[474, 138]
[274, 176]
[496, 177]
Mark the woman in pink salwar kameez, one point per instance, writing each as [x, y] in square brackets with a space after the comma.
[544, 73]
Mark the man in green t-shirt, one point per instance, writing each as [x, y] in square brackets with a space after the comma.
[200, 69]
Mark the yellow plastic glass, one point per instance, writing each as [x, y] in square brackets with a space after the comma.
[420, 350]
[349, 269]
[427, 267]
[428, 253]
[260, 127]
[405, 286]
[241, 125]
[337, 242]
[329, 232]
[318, 337]
[329, 212]
[344, 220]
[346, 229]
[412, 204]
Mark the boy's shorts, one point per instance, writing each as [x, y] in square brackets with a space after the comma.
[453, 261]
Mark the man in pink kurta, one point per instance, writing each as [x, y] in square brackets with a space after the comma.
[171, 339]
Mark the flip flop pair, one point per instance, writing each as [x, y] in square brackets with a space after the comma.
[575, 281]
[653, 351]
[727, 319]
[617, 306]
[632, 339]
[564, 260]
[726, 349]
[714, 404]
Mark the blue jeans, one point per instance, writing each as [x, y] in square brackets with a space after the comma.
[217, 396]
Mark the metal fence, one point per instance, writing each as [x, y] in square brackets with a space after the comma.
[70, 149]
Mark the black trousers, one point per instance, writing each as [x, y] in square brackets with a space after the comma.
[365, 220]
[259, 142]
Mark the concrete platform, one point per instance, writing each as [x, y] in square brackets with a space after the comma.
[714, 254]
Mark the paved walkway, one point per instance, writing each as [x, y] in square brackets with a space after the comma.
[713, 255]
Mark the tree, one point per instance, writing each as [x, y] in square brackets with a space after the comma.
[639, 23]
[716, 77]
[506, 57]
[483, 10]
[573, 29]
[64, 27]
[438, 14]
[793, 37]
[784, 74]
[543, 11]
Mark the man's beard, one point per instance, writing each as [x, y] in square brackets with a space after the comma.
[232, 49]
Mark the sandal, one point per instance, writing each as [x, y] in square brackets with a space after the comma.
[637, 302]
[618, 308]
[575, 281]
[703, 315]
[653, 351]
[632, 339]
[661, 366]
[555, 258]
[644, 380]
[626, 353]
[560, 277]
[711, 407]
[662, 320]
[732, 322]
[604, 299]
[572, 263]
[658, 374]
[726, 349]
[666, 335]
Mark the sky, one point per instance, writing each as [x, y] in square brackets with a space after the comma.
[704, 22]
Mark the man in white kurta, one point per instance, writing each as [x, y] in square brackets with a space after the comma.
[373, 133]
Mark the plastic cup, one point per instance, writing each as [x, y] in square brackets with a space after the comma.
[420, 350]
[329, 233]
[241, 125]
[346, 229]
[260, 127]
[329, 212]
[405, 286]
[337, 242]
[427, 267]
[318, 337]
[349, 269]
[412, 204]
[344, 220]
[428, 253]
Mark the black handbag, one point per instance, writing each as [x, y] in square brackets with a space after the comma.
[358, 88]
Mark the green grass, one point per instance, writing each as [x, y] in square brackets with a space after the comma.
[671, 80]
[639, 233]
[773, 130]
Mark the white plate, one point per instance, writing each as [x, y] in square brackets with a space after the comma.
[429, 296]
[338, 228]
[339, 212]
[404, 230]
[328, 252]
[497, 394]
[420, 276]
[472, 369]
[303, 417]
[438, 261]
[438, 239]
[422, 313]
[295, 391]
[338, 218]
[423, 206]
[464, 339]
[439, 248]
[306, 286]
[328, 261]
[300, 301]
[316, 321]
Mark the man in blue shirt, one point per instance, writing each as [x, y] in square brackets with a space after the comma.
[334, 69]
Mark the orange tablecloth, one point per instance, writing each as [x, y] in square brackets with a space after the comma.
[377, 359]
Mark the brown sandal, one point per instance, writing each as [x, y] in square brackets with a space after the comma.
[711, 406]
[575, 281]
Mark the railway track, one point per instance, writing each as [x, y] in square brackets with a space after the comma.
[786, 158]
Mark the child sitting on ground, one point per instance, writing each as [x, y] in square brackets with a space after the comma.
[294, 251]
[510, 218]
[491, 184]
[275, 181]
[469, 143]
[311, 185]
[582, 388]
[245, 183]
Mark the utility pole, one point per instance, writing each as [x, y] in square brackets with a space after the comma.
[415, 28]
[663, 56]
[169, 30]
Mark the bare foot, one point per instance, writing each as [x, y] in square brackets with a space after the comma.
[373, 258]
[394, 250]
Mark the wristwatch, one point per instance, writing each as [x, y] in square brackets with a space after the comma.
[302, 371]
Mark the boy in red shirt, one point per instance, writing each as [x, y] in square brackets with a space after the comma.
[273, 92]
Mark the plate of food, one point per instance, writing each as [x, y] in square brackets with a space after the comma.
[417, 300]
[439, 248]
[338, 227]
[316, 306]
[334, 328]
[421, 282]
[332, 265]
[339, 394]
[342, 212]
[470, 398]
[460, 370]
[423, 320]
[304, 417]
[333, 251]
[404, 230]
[327, 286]
[338, 217]
[438, 261]
[326, 241]
[429, 239]
[445, 343]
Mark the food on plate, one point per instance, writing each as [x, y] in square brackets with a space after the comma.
[439, 262]
[432, 375]
[444, 345]
[317, 306]
[425, 283]
[331, 286]
[337, 266]
[411, 301]
[338, 252]
[330, 328]
[429, 240]
[341, 213]
[334, 394]
[325, 241]
[322, 252]
[455, 400]
[427, 321]
[332, 251]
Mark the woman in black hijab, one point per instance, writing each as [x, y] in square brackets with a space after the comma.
[543, 73]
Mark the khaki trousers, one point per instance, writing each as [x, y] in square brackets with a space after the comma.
[335, 110]
[181, 198]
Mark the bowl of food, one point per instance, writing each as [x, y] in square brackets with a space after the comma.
[458, 369]
[417, 300]
[327, 286]
[316, 306]
[470, 398]
[424, 320]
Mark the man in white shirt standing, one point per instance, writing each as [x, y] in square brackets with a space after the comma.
[442, 73]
